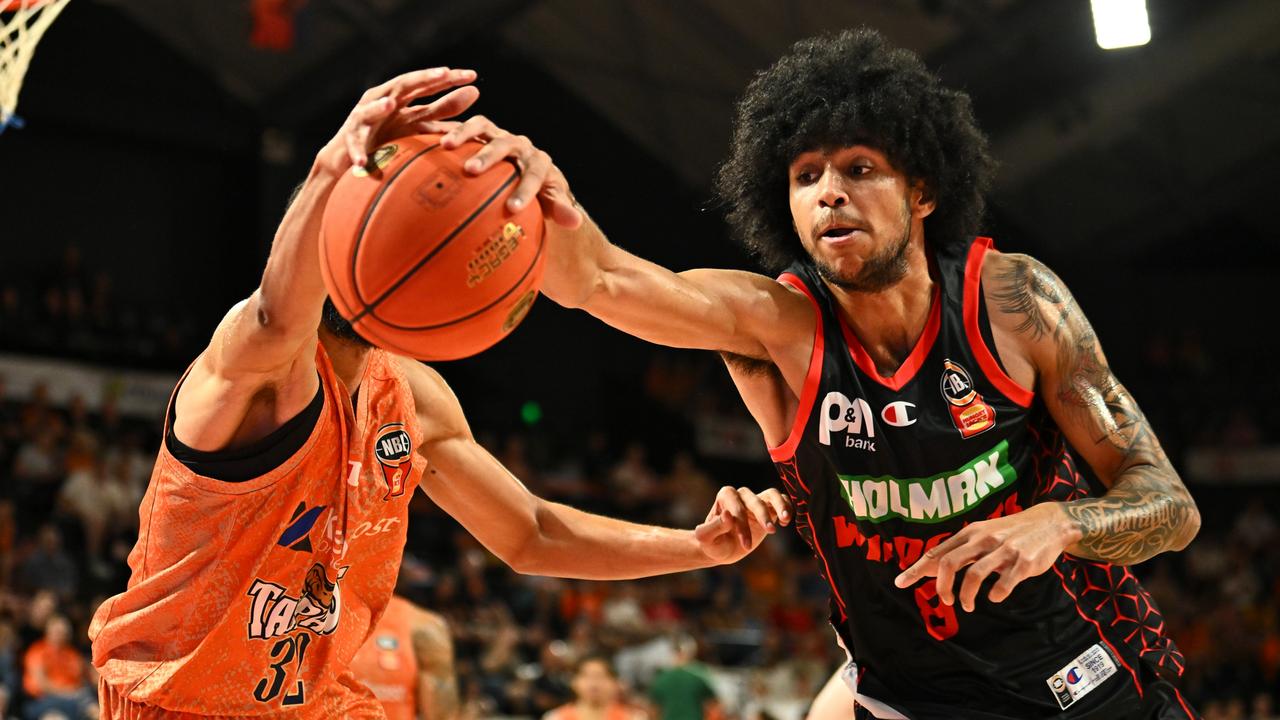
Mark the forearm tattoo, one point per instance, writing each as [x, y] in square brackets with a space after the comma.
[1147, 510]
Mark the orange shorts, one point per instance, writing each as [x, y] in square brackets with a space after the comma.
[345, 698]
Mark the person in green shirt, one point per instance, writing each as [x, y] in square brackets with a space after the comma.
[683, 691]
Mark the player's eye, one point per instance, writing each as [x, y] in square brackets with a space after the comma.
[806, 177]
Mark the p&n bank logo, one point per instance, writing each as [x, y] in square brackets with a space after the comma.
[852, 417]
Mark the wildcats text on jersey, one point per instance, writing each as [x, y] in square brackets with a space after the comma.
[932, 499]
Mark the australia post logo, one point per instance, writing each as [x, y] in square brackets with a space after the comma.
[394, 451]
[854, 418]
[930, 499]
[273, 612]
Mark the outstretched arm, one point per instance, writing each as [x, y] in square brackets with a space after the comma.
[537, 537]
[724, 310]
[259, 369]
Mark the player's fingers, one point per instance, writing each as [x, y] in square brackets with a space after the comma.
[1009, 579]
[759, 509]
[532, 178]
[438, 127]
[975, 575]
[949, 565]
[362, 119]
[450, 105]
[476, 127]
[735, 513]
[515, 147]
[420, 83]
[557, 202]
[709, 529]
[780, 503]
[926, 566]
[407, 92]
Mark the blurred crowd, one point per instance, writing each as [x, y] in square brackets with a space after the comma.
[748, 641]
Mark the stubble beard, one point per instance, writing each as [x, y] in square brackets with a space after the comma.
[879, 272]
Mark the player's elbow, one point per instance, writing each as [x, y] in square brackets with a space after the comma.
[534, 553]
[1190, 526]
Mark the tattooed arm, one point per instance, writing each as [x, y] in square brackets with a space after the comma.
[1146, 509]
[437, 684]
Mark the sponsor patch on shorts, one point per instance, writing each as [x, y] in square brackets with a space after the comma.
[1080, 676]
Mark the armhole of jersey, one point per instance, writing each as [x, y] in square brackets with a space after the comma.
[809, 392]
[254, 460]
[986, 360]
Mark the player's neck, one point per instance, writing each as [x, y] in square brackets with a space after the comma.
[889, 322]
[348, 359]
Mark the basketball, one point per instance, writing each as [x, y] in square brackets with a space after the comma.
[426, 260]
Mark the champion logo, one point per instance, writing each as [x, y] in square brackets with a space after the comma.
[899, 414]
[1073, 676]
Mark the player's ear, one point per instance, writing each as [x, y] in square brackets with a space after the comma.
[923, 202]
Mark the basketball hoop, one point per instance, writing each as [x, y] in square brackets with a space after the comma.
[22, 24]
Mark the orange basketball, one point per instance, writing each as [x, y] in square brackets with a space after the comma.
[426, 260]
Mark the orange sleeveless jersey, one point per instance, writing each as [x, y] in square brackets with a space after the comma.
[387, 665]
[250, 598]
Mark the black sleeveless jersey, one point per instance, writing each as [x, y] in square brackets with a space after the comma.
[883, 469]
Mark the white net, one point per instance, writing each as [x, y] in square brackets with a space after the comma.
[22, 24]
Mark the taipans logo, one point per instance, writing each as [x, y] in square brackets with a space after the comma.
[377, 161]
[298, 535]
[898, 414]
[1074, 676]
[853, 417]
[394, 451]
[969, 413]
[317, 608]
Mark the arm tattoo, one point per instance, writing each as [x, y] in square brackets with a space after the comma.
[1147, 509]
[438, 686]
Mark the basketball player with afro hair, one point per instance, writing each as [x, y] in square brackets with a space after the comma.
[923, 396]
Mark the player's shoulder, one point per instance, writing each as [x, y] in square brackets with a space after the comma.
[1022, 291]
[439, 413]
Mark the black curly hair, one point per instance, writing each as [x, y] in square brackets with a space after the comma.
[843, 89]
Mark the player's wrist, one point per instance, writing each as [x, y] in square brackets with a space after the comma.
[1068, 528]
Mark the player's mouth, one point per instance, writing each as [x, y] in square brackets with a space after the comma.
[838, 234]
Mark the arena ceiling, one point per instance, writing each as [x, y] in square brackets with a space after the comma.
[1176, 137]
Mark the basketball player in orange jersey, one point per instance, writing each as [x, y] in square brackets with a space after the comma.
[918, 391]
[408, 664]
[272, 529]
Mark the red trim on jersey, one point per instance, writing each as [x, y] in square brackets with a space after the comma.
[912, 364]
[817, 547]
[809, 393]
[1185, 708]
[986, 360]
[1115, 653]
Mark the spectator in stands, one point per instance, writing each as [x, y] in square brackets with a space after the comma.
[56, 675]
[99, 503]
[683, 691]
[597, 694]
[8, 665]
[48, 567]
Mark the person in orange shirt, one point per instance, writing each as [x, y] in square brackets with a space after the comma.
[408, 664]
[273, 526]
[54, 674]
[597, 694]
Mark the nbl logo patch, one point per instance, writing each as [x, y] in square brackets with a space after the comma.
[969, 413]
[394, 451]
